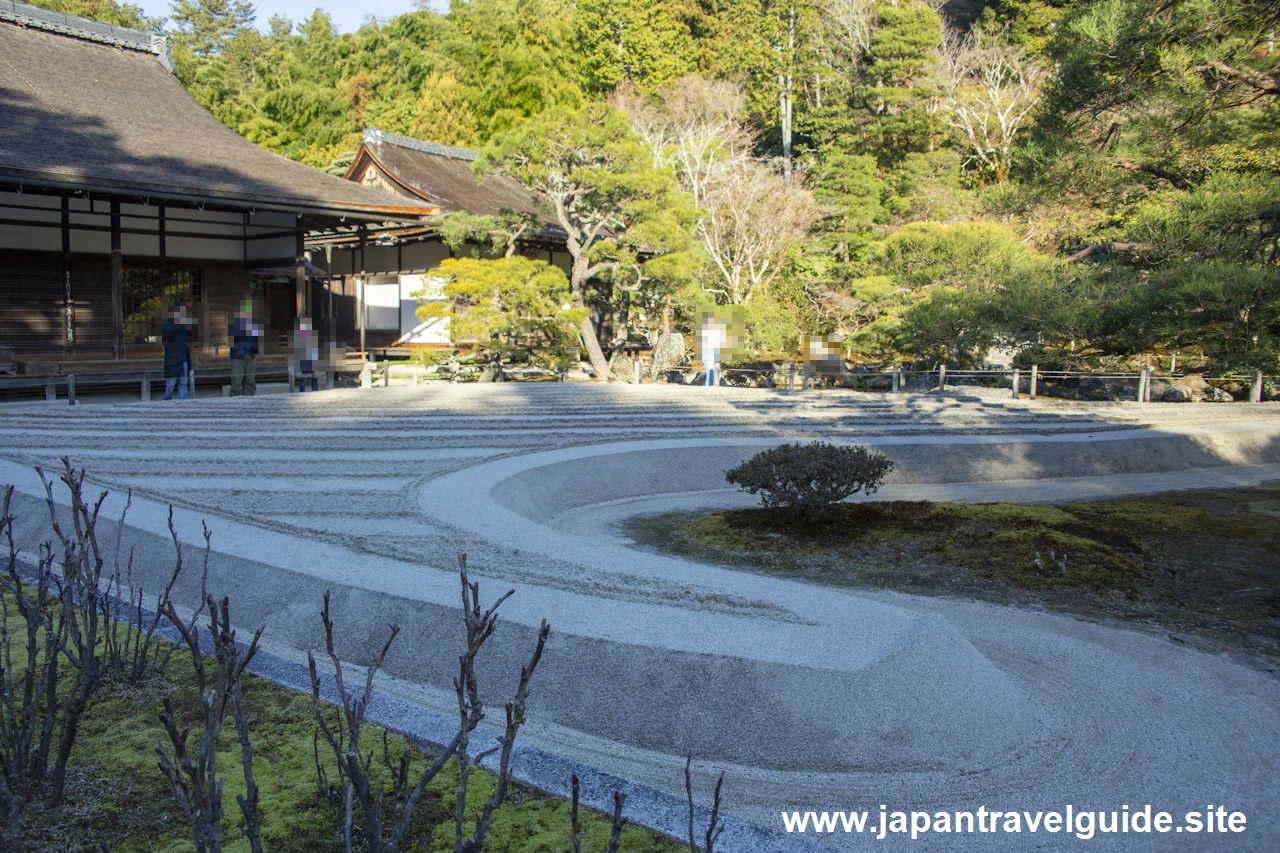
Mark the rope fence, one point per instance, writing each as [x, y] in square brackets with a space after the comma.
[798, 376]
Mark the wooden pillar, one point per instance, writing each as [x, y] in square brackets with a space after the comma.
[1255, 388]
[117, 282]
[206, 313]
[360, 283]
[68, 298]
[1035, 379]
[328, 284]
[300, 274]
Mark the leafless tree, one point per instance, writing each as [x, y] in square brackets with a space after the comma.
[988, 92]
[363, 790]
[751, 215]
[74, 612]
[195, 781]
[693, 128]
[715, 826]
[615, 834]
[39, 721]
[130, 656]
[846, 31]
[752, 218]
[480, 625]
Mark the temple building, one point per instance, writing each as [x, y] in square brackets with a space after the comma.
[119, 193]
[387, 267]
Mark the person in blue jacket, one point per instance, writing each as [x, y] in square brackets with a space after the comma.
[244, 336]
[175, 332]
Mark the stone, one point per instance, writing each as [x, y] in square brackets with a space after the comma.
[492, 374]
[1099, 390]
[1191, 388]
[624, 369]
[668, 352]
[1218, 395]
[1158, 387]
[921, 383]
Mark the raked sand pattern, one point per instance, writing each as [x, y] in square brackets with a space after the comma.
[808, 698]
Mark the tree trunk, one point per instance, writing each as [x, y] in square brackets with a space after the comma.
[1110, 248]
[598, 362]
[788, 101]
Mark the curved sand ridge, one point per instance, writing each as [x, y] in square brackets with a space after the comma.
[810, 698]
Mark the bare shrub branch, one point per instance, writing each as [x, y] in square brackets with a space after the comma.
[715, 826]
[195, 781]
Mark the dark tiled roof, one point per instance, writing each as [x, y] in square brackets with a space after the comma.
[441, 174]
[85, 114]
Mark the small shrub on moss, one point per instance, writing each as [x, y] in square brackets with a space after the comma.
[807, 478]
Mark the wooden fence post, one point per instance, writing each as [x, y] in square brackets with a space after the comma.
[637, 367]
[1016, 379]
[895, 379]
[1035, 379]
[191, 383]
[50, 390]
[942, 378]
[791, 376]
[386, 373]
[1255, 388]
[146, 388]
[292, 385]
[71, 389]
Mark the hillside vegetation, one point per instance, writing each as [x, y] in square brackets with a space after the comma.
[1080, 181]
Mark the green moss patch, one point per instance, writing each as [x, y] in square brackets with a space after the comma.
[117, 795]
[1022, 544]
[1204, 561]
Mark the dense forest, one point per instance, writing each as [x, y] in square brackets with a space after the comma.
[1080, 182]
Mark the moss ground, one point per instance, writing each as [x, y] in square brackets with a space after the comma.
[117, 795]
[1203, 563]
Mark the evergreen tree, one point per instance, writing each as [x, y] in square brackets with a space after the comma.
[206, 26]
[601, 187]
[643, 42]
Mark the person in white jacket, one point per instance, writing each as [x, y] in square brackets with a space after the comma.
[712, 337]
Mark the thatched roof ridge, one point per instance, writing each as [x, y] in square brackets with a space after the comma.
[441, 175]
[87, 114]
[82, 28]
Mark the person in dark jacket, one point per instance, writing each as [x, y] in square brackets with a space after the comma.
[175, 331]
[244, 337]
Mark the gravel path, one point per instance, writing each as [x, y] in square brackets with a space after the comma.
[824, 700]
